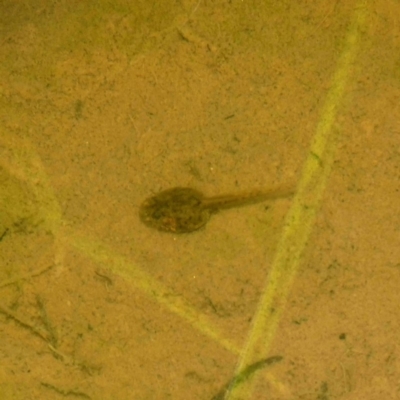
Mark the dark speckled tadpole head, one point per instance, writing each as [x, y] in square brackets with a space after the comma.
[177, 210]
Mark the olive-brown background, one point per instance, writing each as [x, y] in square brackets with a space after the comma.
[119, 100]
